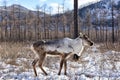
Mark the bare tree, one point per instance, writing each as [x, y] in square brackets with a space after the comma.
[5, 19]
[119, 30]
[38, 21]
[44, 25]
[57, 26]
[88, 22]
[112, 14]
[18, 23]
[1, 27]
[75, 18]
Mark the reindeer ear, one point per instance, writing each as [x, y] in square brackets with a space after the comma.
[81, 34]
[44, 41]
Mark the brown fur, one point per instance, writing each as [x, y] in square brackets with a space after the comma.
[42, 53]
[40, 46]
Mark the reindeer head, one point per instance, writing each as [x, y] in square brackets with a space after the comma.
[86, 40]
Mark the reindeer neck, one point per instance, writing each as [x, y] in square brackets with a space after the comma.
[81, 51]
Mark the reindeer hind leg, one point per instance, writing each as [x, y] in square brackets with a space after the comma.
[41, 60]
[61, 65]
[65, 67]
[34, 65]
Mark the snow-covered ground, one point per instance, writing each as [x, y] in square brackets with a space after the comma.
[93, 66]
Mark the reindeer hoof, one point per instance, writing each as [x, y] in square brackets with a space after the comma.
[58, 73]
[46, 74]
[65, 73]
[35, 75]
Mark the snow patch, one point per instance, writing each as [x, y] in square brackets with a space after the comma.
[94, 66]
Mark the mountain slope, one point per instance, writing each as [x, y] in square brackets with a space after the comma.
[102, 5]
[17, 11]
[101, 12]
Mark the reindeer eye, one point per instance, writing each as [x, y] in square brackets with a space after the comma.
[85, 37]
[80, 37]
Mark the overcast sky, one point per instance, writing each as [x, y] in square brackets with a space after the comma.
[53, 4]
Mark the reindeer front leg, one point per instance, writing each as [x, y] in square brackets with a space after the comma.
[63, 61]
[65, 67]
[61, 65]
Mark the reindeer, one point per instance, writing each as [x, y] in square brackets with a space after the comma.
[65, 48]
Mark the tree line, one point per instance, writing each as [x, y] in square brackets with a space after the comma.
[19, 25]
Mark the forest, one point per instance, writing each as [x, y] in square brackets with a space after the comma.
[20, 24]
[20, 27]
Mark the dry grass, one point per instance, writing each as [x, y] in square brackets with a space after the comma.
[9, 52]
[109, 46]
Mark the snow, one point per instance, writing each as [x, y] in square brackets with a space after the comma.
[95, 66]
[116, 1]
